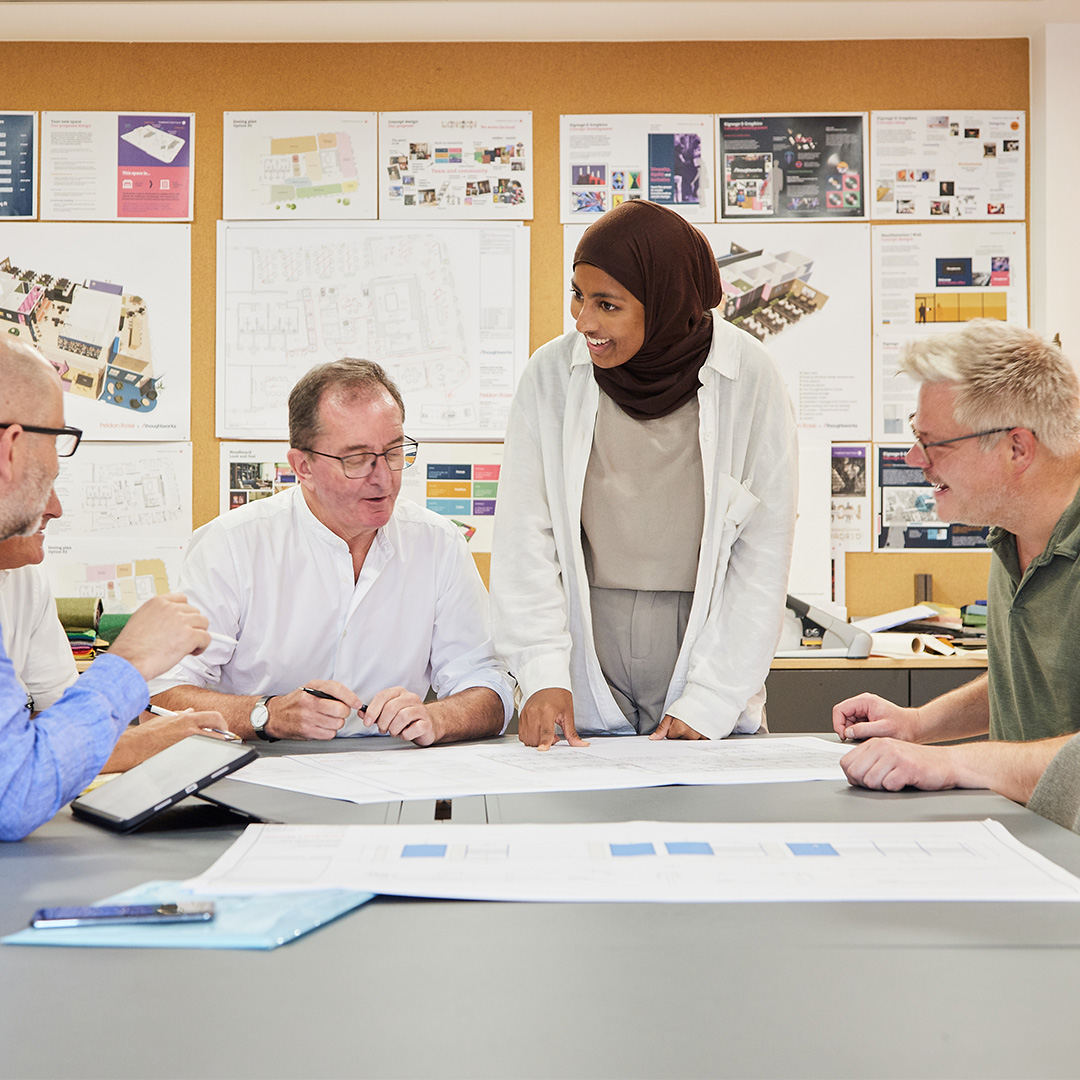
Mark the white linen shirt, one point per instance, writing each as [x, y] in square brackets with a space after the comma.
[273, 576]
[541, 615]
[34, 639]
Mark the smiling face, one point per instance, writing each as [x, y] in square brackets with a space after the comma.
[29, 550]
[608, 316]
[970, 484]
[351, 425]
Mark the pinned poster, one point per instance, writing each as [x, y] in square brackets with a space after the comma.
[18, 165]
[605, 160]
[442, 166]
[809, 168]
[300, 166]
[104, 166]
[966, 164]
[251, 471]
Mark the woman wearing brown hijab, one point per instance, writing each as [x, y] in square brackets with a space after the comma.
[646, 501]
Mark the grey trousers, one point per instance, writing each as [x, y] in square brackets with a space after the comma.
[637, 637]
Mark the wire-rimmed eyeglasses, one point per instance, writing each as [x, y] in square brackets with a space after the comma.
[357, 466]
[925, 446]
[67, 438]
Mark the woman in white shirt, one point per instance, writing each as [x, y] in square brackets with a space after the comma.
[646, 501]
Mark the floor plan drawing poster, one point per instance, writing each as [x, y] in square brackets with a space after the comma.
[109, 306]
[443, 307]
[606, 160]
[443, 166]
[128, 489]
[962, 164]
[803, 290]
[103, 166]
[907, 516]
[809, 167]
[18, 165]
[300, 165]
[931, 279]
[123, 572]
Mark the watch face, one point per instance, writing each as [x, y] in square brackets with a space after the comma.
[259, 715]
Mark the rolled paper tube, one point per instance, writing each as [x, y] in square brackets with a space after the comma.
[80, 613]
[898, 646]
[111, 625]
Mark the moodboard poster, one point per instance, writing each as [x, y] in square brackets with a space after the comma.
[605, 160]
[442, 166]
[802, 289]
[251, 471]
[444, 307]
[285, 166]
[907, 516]
[963, 164]
[931, 279]
[109, 306]
[809, 167]
[18, 165]
[103, 166]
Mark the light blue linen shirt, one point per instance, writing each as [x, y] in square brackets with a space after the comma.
[47, 760]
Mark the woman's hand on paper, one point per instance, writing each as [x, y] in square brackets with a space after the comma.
[545, 711]
[671, 727]
[868, 716]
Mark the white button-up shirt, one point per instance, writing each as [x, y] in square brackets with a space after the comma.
[271, 575]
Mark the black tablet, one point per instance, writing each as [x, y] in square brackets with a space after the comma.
[180, 770]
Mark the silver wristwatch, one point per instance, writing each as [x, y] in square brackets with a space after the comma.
[259, 716]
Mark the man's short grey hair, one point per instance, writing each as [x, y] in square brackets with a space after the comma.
[1005, 376]
[346, 379]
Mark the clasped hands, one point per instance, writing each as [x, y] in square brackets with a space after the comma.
[394, 711]
[553, 708]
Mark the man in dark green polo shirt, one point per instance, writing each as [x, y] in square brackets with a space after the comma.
[997, 432]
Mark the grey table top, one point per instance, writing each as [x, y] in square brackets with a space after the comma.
[438, 988]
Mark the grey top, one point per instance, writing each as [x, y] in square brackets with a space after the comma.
[643, 506]
[1057, 796]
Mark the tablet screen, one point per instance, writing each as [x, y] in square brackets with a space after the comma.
[176, 771]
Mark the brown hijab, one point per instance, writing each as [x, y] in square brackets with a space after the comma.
[669, 267]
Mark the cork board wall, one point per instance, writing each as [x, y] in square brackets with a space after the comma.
[549, 79]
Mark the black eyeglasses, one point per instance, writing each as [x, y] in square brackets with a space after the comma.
[357, 466]
[924, 446]
[67, 438]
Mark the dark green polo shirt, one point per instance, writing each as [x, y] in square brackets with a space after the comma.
[1034, 663]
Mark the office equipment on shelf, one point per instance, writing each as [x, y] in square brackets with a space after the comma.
[837, 638]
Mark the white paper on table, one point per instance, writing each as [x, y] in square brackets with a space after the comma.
[646, 861]
[875, 623]
[608, 763]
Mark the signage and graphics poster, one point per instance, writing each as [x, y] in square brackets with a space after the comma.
[808, 167]
[100, 166]
[18, 165]
[300, 166]
[605, 160]
[440, 166]
[907, 518]
[956, 165]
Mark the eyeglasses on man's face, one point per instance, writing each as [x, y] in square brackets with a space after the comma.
[67, 438]
[925, 446]
[357, 466]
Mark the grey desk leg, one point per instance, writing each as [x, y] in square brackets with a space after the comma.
[417, 812]
[494, 811]
[471, 810]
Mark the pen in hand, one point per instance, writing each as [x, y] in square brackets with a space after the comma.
[328, 697]
[157, 710]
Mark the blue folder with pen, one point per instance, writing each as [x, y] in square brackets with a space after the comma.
[240, 922]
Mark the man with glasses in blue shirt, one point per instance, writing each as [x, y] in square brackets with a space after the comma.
[46, 760]
[346, 604]
[997, 433]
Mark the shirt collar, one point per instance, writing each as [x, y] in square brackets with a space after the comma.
[1064, 540]
[384, 538]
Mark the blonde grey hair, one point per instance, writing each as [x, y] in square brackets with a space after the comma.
[1004, 376]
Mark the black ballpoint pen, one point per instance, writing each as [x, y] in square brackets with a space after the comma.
[328, 697]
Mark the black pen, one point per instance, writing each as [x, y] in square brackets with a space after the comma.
[328, 697]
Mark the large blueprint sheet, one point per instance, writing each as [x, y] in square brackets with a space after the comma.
[486, 769]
